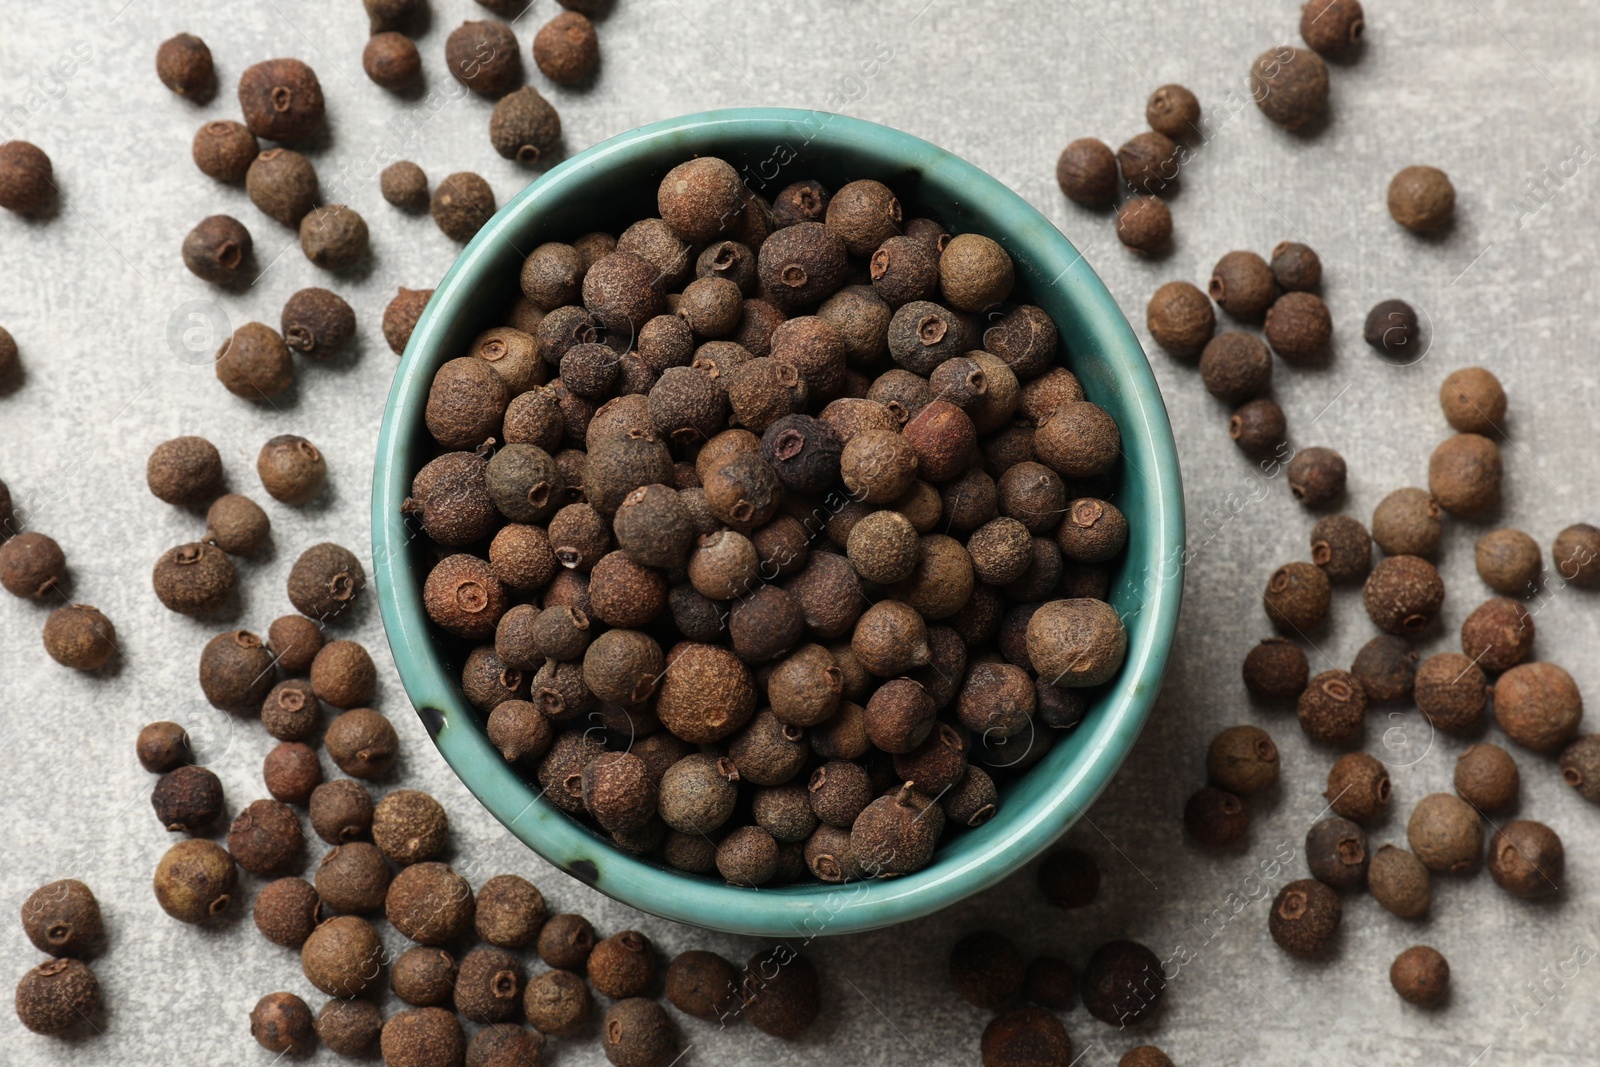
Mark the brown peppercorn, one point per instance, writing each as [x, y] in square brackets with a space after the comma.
[423, 976]
[1305, 917]
[295, 640]
[1538, 705]
[566, 941]
[409, 827]
[1445, 833]
[281, 100]
[1509, 561]
[56, 995]
[1576, 555]
[623, 291]
[557, 1003]
[405, 185]
[353, 878]
[1407, 522]
[1403, 594]
[254, 364]
[1299, 327]
[391, 60]
[317, 323]
[1398, 881]
[283, 184]
[1498, 634]
[1473, 401]
[218, 250]
[975, 272]
[429, 903]
[1336, 853]
[1242, 285]
[986, 969]
[702, 984]
[25, 179]
[1464, 474]
[463, 597]
[185, 471]
[62, 918]
[1422, 199]
[80, 636]
[235, 671]
[1486, 777]
[1243, 760]
[1235, 367]
[1259, 428]
[194, 881]
[1144, 225]
[1297, 597]
[1180, 318]
[1332, 710]
[1580, 766]
[292, 469]
[461, 204]
[1387, 667]
[623, 965]
[266, 837]
[1086, 171]
[291, 771]
[1333, 28]
[1215, 818]
[1316, 476]
[349, 1027]
[224, 150]
[637, 1033]
[1358, 787]
[510, 911]
[1276, 669]
[1023, 1035]
[526, 127]
[1092, 531]
[488, 985]
[423, 1037]
[333, 237]
[286, 911]
[1526, 859]
[163, 746]
[780, 993]
[362, 743]
[1149, 162]
[566, 48]
[1296, 268]
[340, 811]
[342, 957]
[343, 674]
[184, 65]
[483, 56]
[896, 833]
[1078, 440]
[1419, 974]
[1076, 643]
[1341, 546]
[1173, 112]
[401, 315]
[1290, 86]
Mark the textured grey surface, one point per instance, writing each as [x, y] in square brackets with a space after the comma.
[1499, 94]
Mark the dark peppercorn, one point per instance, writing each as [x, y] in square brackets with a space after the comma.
[1420, 974]
[802, 264]
[1076, 643]
[1086, 171]
[1473, 401]
[187, 799]
[637, 1033]
[1316, 476]
[1422, 199]
[1332, 710]
[702, 984]
[79, 636]
[405, 185]
[32, 565]
[401, 315]
[1336, 853]
[333, 236]
[461, 204]
[1173, 112]
[1580, 766]
[183, 63]
[524, 127]
[622, 966]
[325, 581]
[254, 364]
[1498, 634]
[1215, 818]
[1297, 597]
[1333, 28]
[1122, 982]
[623, 291]
[291, 771]
[1538, 706]
[192, 579]
[1403, 594]
[1358, 787]
[224, 150]
[1259, 428]
[1299, 327]
[505, 1045]
[340, 811]
[1445, 832]
[557, 1003]
[1387, 668]
[1242, 285]
[423, 976]
[1025, 1035]
[1407, 522]
[1305, 917]
[1149, 162]
[986, 969]
[1296, 268]
[1526, 859]
[194, 880]
[25, 179]
[488, 985]
[1486, 777]
[349, 1027]
[391, 60]
[236, 671]
[1144, 225]
[292, 469]
[975, 272]
[281, 100]
[409, 827]
[422, 1037]
[1341, 546]
[218, 250]
[317, 323]
[62, 918]
[450, 497]
[56, 995]
[484, 57]
[384, 15]
[619, 791]
[1398, 881]
[1392, 328]
[163, 746]
[1464, 474]
[184, 471]
[283, 184]
[1242, 760]
[286, 911]
[429, 903]
[362, 743]
[1235, 367]
[1576, 555]
[510, 911]
[897, 833]
[266, 837]
[463, 596]
[1290, 86]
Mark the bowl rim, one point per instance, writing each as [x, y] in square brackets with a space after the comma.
[812, 908]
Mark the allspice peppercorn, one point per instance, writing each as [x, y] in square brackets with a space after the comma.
[184, 65]
[1393, 329]
[1445, 832]
[254, 364]
[362, 743]
[484, 56]
[1180, 318]
[391, 60]
[1025, 1034]
[422, 1037]
[333, 236]
[340, 811]
[281, 100]
[488, 985]
[1509, 561]
[566, 48]
[1403, 594]
[285, 911]
[187, 798]
[1333, 708]
[283, 184]
[266, 837]
[1420, 974]
[292, 469]
[1242, 285]
[1299, 327]
[325, 581]
[1473, 401]
[1297, 597]
[1235, 367]
[1576, 555]
[1398, 881]
[163, 746]
[56, 995]
[1464, 474]
[405, 185]
[461, 204]
[986, 969]
[1498, 634]
[194, 881]
[1305, 918]
[1332, 27]
[1215, 818]
[1290, 86]
[80, 636]
[1242, 760]
[423, 976]
[1538, 705]
[1580, 766]
[349, 1027]
[1086, 171]
[25, 179]
[1526, 859]
[1144, 225]
[1296, 267]
[429, 903]
[185, 471]
[1122, 982]
[1276, 669]
[1358, 787]
[236, 671]
[62, 918]
[409, 826]
[1316, 476]
[1486, 777]
[1173, 111]
[1336, 853]
[1259, 428]
[1149, 162]
[224, 150]
[1422, 199]
[354, 878]
[1408, 522]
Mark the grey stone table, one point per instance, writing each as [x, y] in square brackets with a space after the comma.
[1502, 95]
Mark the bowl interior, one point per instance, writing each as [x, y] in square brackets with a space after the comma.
[773, 147]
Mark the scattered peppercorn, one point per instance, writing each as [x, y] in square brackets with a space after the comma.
[1336, 853]
[163, 746]
[62, 918]
[1576, 555]
[1407, 522]
[1235, 367]
[1297, 597]
[1122, 983]
[1087, 173]
[1403, 594]
[1399, 882]
[1242, 760]
[1580, 766]
[1259, 428]
[1299, 327]
[1215, 818]
[286, 911]
[187, 798]
[524, 127]
[254, 364]
[362, 743]
[986, 969]
[1144, 225]
[1242, 285]
[422, 1037]
[1180, 318]
[1341, 546]
[57, 995]
[1332, 710]
[80, 636]
[1526, 859]
[1304, 918]
[1422, 199]
[1290, 86]
[224, 150]
[1358, 787]
[183, 63]
[194, 880]
[1296, 267]
[1316, 476]
[236, 671]
[1276, 669]
[340, 811]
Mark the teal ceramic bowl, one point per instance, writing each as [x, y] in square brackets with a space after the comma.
[617, 180]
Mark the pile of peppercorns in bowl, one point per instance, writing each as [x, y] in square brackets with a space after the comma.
[772, 537]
